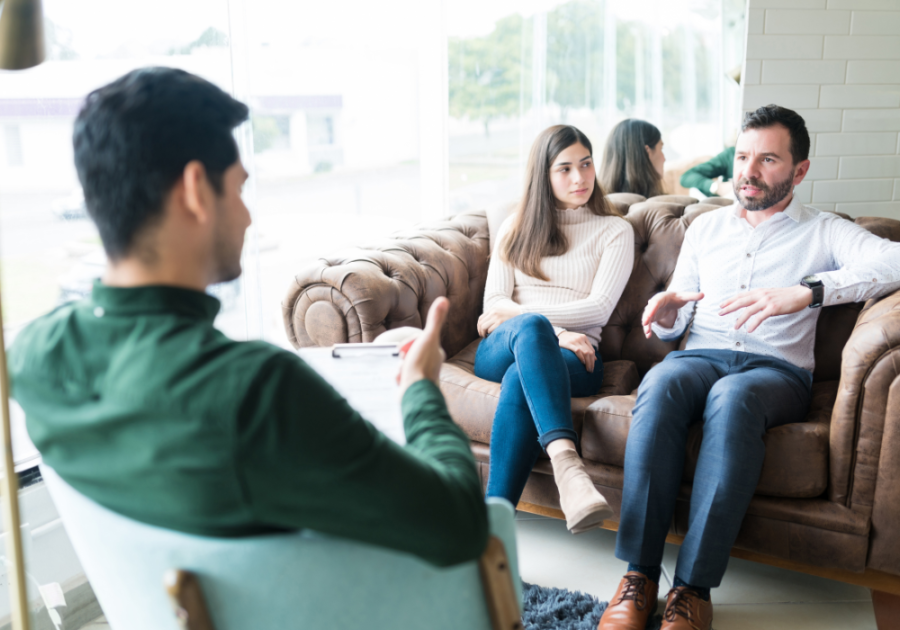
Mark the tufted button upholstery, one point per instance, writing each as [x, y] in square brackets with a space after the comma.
[393, 284]
[659, 228]
[828, 486]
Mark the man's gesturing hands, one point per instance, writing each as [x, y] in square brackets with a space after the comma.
[761, 304]
[758, 305]
[425, 356]
[663, 308]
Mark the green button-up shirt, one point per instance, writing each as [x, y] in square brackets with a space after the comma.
[138, 402]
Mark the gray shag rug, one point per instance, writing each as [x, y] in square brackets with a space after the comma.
[549, 608]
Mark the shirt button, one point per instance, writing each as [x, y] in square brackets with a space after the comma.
[840, 296]
[743, 286]
[98, 312]
[738, 344]
[749, 255]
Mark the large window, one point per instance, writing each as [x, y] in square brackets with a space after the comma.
[348, 140]
[590, 63]
[333, 145]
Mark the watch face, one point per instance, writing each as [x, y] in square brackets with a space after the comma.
[811, 279]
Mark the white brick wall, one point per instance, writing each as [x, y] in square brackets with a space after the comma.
[837, 62]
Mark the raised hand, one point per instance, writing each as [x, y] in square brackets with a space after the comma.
[663, 309]
[761, 304]
[425, 356]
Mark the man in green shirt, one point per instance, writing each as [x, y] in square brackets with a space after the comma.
[705, 177]
[138, 402]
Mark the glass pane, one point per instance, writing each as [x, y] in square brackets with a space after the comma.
[50, 249]
[335, 132]
[590, 63]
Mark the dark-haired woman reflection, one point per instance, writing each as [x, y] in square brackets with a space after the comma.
[633, 159]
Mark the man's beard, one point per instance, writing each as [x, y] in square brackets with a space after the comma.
[769, 197]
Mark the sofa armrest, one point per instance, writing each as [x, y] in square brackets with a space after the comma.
[865, 427]
[359, 293]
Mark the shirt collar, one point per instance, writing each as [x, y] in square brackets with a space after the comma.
[155, 299]
[795, 210]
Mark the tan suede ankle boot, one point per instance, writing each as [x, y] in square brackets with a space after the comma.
[584, 507]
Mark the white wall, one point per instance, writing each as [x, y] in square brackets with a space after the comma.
[837, 63]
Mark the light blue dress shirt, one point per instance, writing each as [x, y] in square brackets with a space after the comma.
[723, 255]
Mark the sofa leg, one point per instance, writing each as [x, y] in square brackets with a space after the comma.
[887, 610]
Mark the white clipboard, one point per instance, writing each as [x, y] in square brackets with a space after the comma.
[365, 374]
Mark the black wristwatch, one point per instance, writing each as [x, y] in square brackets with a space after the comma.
[818, 290]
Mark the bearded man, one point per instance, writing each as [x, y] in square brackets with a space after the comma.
[750, 281]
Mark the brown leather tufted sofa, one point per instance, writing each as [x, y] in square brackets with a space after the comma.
[828, 501]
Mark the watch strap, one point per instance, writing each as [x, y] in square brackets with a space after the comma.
[818, 291]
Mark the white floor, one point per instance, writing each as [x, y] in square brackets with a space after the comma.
[752, 596]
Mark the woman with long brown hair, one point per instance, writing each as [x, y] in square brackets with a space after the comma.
[633, 159]
[561, 263]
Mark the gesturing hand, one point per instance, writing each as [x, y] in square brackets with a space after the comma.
[425, 356]
[761, 304]
[581, 346]
[492, 318]
[663, 309]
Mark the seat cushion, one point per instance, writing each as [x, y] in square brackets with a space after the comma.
[796, 463]
[472, 401]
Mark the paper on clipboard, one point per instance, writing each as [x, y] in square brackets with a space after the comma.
[365, 375]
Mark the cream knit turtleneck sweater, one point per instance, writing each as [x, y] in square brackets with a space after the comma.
[584, 284]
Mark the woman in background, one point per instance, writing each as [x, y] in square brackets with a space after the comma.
[633, 159]
[561, 264]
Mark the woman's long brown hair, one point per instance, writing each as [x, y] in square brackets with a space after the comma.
[535, 232]
[626, 166]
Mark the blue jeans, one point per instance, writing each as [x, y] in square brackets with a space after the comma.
[737, 396]
[538, 379]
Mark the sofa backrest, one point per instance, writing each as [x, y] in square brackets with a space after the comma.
[358, 293]
[659, 228]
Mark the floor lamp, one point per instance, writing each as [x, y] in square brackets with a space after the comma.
[21, 47]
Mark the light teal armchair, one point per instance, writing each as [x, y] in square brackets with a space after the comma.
[284, 581]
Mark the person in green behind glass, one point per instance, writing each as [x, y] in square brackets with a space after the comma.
[138, 402]
[705, 177]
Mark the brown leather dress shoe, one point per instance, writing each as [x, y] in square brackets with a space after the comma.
[632, 605]
[685, 610]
